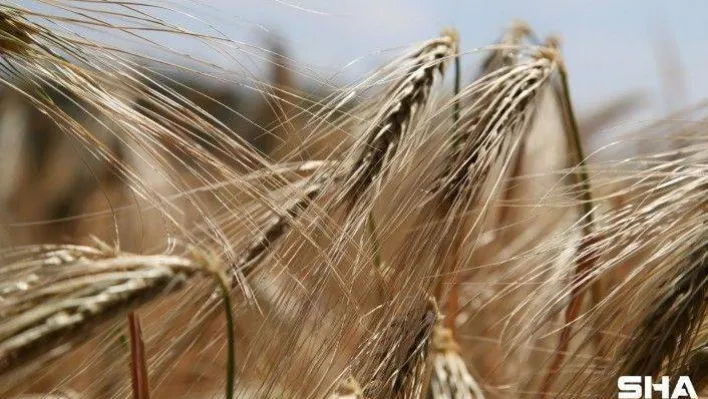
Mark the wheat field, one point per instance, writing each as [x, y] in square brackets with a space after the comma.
[170, 228]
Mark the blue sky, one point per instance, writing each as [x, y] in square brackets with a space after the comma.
[611, 47]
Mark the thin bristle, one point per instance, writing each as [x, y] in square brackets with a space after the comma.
[16, 35]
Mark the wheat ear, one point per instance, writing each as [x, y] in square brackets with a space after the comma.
[56, 297]
[397, 113]
[501, 108]
[696, 367]
[667, 200]
[392, 361]
[665, 335]
[450, 378]
[348, 389]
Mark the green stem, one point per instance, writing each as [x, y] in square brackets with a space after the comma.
[456, 107]
[457, 138]
[231, 361]
[582, 174]
[585, 263]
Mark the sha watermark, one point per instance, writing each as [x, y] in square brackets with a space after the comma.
[642, 387]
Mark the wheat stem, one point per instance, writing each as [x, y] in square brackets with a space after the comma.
[583, 177]
[585, 264]
[141, 386]
[453, 300]
[231, 340]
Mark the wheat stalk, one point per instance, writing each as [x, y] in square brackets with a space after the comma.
[139, 368]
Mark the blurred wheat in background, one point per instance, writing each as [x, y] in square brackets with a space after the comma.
[171, 227]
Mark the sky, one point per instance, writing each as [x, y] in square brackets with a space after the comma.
[612, 48]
